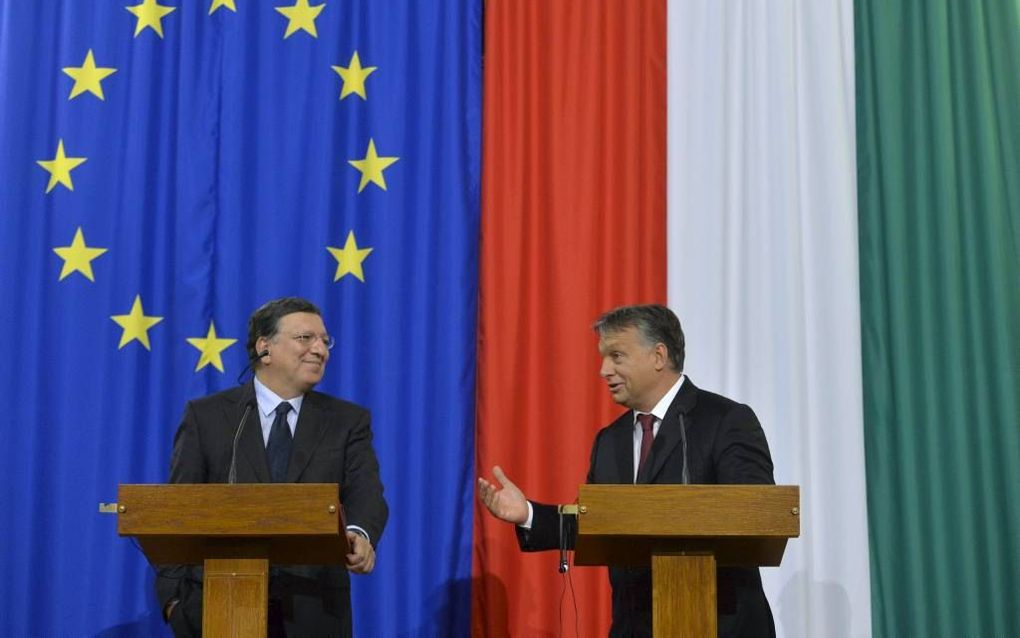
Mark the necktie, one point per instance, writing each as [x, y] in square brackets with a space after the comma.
[647, 421]
[278, 448]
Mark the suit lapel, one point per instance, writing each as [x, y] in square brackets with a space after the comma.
[251, 448]
[623, 444]
[311, 427]
[669, 436]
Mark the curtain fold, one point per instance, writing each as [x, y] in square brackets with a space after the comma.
[939, 190]
[763, 269]
[573, 223]
[222, 170]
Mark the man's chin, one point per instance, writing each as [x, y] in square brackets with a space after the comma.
[311, 381]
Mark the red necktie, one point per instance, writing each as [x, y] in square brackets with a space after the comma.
[647, 422]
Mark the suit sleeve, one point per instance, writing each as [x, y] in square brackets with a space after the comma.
[361, 490]
[187, 465]
[545, 529]
[545, 524]
[742, 453]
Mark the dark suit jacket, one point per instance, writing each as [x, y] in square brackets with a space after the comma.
[332, 444]
[725, 445]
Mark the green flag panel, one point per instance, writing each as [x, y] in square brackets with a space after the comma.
[938, 156]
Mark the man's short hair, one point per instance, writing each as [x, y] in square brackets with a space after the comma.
[265, 322]
[654, 323]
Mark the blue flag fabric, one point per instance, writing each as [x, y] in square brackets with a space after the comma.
[165, 168]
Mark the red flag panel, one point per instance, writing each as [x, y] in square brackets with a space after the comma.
[573, 223]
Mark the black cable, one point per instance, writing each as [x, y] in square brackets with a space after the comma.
[563, 592]
[566, 560]
[573, 597]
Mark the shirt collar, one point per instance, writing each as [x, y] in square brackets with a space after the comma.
[659, 411]
[268, 400]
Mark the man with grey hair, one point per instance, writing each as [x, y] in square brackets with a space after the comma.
[673, 432]
[286, 433]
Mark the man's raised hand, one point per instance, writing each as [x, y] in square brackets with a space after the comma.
[504, 499]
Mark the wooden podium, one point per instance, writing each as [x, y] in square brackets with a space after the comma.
[683, 532]
[236, 532]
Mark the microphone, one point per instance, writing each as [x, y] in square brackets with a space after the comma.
[232, 476]
[563, 547]
[569, 510]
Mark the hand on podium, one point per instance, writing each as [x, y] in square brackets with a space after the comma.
[505, 502]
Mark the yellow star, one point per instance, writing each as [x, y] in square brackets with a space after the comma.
[88, 76]
[135, 325]
[211, 347]
[216, 4]
[372, 167]
[150, 14]
[354, 76]
[78, 257]
[60, 168]
[301, 16]
[349, 258]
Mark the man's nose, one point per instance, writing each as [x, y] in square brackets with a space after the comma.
[606, 369]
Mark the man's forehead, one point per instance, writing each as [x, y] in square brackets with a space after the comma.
[616, 338]
[302, 321]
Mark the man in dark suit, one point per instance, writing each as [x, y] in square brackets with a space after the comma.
[673, 432]
[291, 434]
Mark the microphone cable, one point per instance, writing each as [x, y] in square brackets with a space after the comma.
[564, 568]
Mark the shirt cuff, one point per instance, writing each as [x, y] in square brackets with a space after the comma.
[531, 515]
[358, 530]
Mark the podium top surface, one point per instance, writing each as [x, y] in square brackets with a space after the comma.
[288, 523]
[740, 524]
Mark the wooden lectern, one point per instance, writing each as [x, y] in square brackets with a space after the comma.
[683, 532]
[236, 532]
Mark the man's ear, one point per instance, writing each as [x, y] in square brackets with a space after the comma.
[661, 356]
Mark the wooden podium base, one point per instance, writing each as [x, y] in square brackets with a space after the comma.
[235, 532]
[684, 595]
[684, 532]
[235, 597]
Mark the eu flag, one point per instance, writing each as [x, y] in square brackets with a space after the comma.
[166, 166]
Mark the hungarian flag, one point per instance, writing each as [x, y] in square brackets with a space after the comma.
[828, 195]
